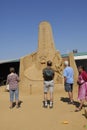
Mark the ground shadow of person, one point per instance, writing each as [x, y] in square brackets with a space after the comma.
[66, 100]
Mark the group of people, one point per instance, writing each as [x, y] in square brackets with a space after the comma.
[82, 84]
[48, 76]
[68, 74]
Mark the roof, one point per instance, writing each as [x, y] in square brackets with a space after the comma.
[8, 61]
[75, 54]
[80, 55]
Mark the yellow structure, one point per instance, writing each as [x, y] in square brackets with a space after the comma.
[73, 65]
[31, 66]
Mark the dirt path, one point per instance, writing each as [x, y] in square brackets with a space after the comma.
[32, 116]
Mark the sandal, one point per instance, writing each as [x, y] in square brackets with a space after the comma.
[78, 109]
[11, 107]
[85, 111]
[17, 106]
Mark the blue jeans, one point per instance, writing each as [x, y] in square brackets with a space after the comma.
[14, 93]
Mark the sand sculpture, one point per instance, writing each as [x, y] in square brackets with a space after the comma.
[73, 65]
[31, 65]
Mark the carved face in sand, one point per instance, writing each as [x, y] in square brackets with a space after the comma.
[42, 59]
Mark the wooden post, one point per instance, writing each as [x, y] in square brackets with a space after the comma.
[30, 89]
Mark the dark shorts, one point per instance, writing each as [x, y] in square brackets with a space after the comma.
[68, 87]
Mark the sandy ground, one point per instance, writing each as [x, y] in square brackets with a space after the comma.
[32, 116]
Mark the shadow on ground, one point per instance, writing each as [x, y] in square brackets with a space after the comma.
[66, 100]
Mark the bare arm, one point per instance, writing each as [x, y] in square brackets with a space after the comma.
[64, 79]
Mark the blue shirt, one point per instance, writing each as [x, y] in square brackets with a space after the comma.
[68, 73]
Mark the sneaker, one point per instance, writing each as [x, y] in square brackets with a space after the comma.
[17, 106]
[45, 104]
[11, 107]
[78, 109]
[71, 102]
[51, 105]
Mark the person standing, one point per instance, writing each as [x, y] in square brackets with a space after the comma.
[12, 80]
[68, 74]
[82, 89]
[48, 76]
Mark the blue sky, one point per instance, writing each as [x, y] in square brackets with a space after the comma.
[19, 20]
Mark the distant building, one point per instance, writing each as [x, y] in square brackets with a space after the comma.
[4, 69]
[80, 58]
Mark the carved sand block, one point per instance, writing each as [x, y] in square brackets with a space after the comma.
[31, 66]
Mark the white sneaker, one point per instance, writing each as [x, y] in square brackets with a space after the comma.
[45, 105]
[51, 105]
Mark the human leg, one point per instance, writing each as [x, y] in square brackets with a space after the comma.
[45, 99]
[17, 97]
[70, 94]
[51, 100]
[45, 96]
[51, 96]
[69, 89]
[45, 93]
[80, 107]
[81, 96]
[51, 89]
[11, 98]
[81, 104]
